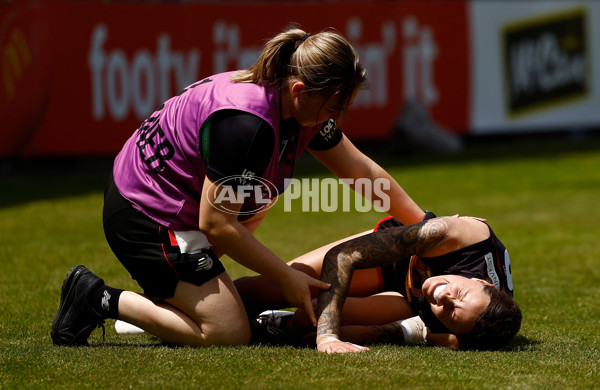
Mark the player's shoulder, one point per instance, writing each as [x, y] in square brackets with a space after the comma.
[239, 118]
[466, 231]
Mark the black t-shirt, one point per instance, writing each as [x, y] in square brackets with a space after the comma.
[240, 142]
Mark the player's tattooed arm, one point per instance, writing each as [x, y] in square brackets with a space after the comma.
[391, 333]
[376, 249]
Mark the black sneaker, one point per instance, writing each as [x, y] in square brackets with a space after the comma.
[271, 328]
[75, 319]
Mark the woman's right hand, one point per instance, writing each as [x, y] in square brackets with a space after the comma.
[296, 290]
[340, 347]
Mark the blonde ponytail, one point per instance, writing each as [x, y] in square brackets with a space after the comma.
[326, 62]
[272, 65]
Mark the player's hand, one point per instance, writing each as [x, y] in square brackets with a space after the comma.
[296, 290]
[340, 347]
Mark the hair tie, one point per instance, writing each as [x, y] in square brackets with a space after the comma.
[299, 42]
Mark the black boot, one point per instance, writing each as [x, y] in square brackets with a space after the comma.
[75, 319]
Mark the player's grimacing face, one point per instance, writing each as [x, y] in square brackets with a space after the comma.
[459, 303]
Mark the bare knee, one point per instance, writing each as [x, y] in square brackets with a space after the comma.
[205, 332]
[214, 313]
[227, 333]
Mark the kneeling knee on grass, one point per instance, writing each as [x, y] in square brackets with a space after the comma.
[215, 311]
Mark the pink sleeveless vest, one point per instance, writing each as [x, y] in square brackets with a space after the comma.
[160, 169]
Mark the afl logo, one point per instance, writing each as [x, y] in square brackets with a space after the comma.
[230, 193]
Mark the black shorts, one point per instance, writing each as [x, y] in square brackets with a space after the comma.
[149, 251]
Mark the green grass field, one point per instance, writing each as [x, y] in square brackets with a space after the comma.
[540, 198]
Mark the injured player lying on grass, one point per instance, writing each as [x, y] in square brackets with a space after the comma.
[445, 281]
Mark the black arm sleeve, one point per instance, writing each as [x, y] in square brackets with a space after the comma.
[240, 143]
[329, 136]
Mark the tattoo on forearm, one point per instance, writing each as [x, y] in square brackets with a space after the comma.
[331, 301]
[391, 245]
[371, 250]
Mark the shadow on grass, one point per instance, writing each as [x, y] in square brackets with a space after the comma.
[28, 180]
[518, 344]
[24, 181]
[522, 344]
[157, 344]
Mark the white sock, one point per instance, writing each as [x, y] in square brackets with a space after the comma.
[122, 327]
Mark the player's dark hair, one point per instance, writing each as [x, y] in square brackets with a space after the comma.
[498, 324]
[325, 62]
